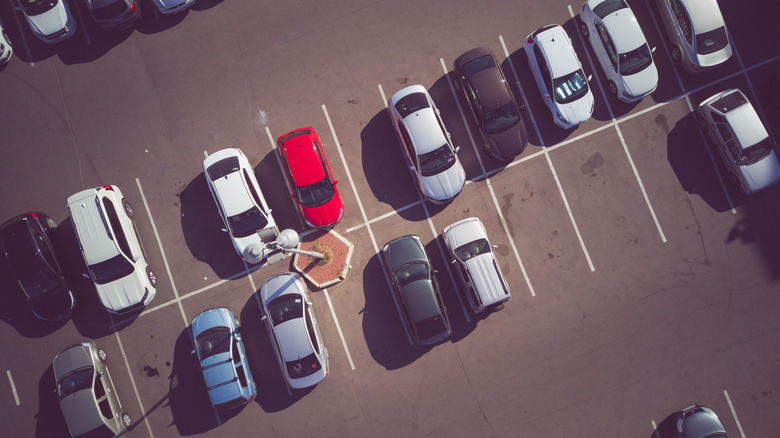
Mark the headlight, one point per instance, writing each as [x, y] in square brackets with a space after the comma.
[341, 214]
[561, 118]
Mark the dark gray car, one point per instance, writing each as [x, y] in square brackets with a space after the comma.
[494, 108]
[416, 291]
[698, 422]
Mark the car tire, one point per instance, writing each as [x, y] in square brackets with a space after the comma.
[613, 88]
[733, 179]
[126, 420]
[102, 355]
[676, 54]
[584, 30]
[128, 208]
[5, 35]
[51, 224]
[151, 276]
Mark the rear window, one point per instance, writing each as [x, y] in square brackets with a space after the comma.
[411, 103]
[110, 11]
[285, 308]
[213, 341]
[303, 367]
[222, 168]
[433, 326]
[712, 41]
[479, 64]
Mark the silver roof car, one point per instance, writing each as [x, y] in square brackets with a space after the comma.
[478, 269]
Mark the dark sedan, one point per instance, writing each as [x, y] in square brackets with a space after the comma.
[26, 243]
[416, 291]
[698, 421]
[492, 104]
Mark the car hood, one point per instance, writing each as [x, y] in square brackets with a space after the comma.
[80, 412]
[763, 173]
[509, 142]
[445, 185]
[122, 293]
[326, 214]
[643, 82]
[486, 278]
[50, 21]
[578, 111]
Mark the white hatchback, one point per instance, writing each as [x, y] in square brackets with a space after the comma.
[741, 140]
[620, 47]
[559, 75]
[426, 144]
[241, 204]
[50, 20]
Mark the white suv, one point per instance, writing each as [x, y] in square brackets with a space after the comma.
[485, 286]
[109, 241]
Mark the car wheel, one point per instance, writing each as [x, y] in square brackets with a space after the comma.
[733, 179]
[102, 355]
[51, 224]
[126, 420]
[152, 276]
[584, 30]
[676, 55]
[613, 88]
[5, 35]
[128, 208]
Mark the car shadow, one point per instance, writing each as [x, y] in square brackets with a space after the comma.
[759, 225]
[665, 429]
[272, 395]
[152, 21]
[88, 43]
[187, 397]
[272, 182]
[687, 154]
[203, 5]
[49, 422]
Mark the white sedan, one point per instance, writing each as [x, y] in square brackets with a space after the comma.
[50, 20]
[620, 47]
[241, 204]
[559, 75]
[426, 144]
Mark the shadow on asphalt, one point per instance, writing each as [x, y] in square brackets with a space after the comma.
[49, 422]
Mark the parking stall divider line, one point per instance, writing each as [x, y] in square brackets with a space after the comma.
[734, 413]
[70, 125]
[130, 373]
[82, 28]
[16, 8]
[385, 216]
[276, 152]
[547, 156]
[162, 251]
[338, 327]
[504, 225]
[13, 387]
[655, 429]
[260, 307]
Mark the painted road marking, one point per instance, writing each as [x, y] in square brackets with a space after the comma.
[13, 387]
[338, 327]
[734, 413]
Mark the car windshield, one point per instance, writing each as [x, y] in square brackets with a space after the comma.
[411, 272]
[608, 7]
[76, 381]
[756, 152]
[430, 327]
[570, 87]
[37, 7]
[303, 367]
[316, 194]
[111, 269]
[285, 308]
[223, 167]
[501, 119]
[472, 249]
[213, 341]
[635, 61]
[479, 64]
[411, 103]
[712, 41]
[436, 161]
[248, 222]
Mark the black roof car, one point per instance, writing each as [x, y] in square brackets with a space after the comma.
[26, 243]
[416, 290]
[698, 421]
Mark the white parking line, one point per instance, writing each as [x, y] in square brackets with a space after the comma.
[278, 362]
[750, 85]
[132, 379]
[547, 156]
[384, 216]
[734, 413]
[162, 251]
[655, 429]
[13, 387]
[338, 327]
[487, 180]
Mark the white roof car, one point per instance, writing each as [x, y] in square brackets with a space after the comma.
[170, 7]
[241, 204]
[559, 76]
[293, 330]
[6, 50]
[697, 32]
[50, 20]
[741, 140]
[426, 144]
[478, 268]
[620, 47]
[102, 219]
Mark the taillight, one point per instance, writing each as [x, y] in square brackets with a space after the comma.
[132, 7]
[530, 39]
[34, 215]
[108, 188]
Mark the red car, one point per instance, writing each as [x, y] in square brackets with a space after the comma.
[309, 174]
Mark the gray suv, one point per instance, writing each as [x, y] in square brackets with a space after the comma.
[86, 392]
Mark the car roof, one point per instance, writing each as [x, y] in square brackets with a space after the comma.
[421, 300]
[81, 412]
[303, 159]
[403, 250]
[491, 91]
[293, 339]
[92, 228]
[624, 30]
[554, 42]
[233, 194]
[746, 125]
[425, 131]
[705, 14]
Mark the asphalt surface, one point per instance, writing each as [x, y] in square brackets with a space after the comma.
[642, 280]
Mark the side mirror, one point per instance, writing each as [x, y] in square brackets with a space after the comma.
[224, 230]
[653, 50]
[263, 318]
[494, 246]
[547, 95]
[412, 168]
[453, 261]
[192, 353]
[457, 148]
[309, 304]
[611, 67]
[100, 373]
[590, 78]
[335, 182]
[85, 275]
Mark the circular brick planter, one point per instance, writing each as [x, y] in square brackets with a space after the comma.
[330, 270]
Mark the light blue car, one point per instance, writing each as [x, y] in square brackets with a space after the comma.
[223, 359]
